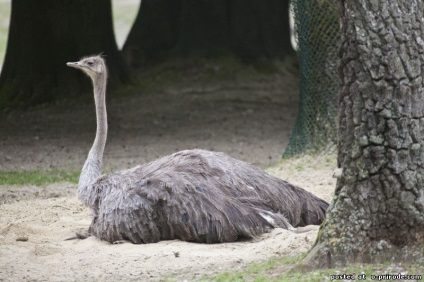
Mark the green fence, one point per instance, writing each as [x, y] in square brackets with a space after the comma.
[318, 40]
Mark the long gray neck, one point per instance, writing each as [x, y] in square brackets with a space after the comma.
[93, 165]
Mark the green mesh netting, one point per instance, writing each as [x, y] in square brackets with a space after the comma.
[318, 38]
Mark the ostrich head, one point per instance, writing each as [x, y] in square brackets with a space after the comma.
[92, 66]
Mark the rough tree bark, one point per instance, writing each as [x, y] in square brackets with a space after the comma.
[43, 36]
[250, 29]
[377, 213]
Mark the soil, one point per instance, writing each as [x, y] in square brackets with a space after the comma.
[249, 120]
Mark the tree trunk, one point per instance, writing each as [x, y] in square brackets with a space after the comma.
[260, 29]
[250, 29]
[43, 36]
[155, 31]
[378, 210]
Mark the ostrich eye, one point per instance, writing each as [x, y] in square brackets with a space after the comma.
[90, 64]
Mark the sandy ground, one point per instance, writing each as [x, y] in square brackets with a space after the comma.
[46, 256]
[251, 121]
[32, 245]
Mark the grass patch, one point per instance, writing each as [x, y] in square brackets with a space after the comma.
[268, 270]
[37, 178]
[279, 269]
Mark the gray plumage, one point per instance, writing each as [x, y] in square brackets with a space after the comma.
[192, 195]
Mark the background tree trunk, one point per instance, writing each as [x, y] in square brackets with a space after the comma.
[260, 28]
[43, 36]
[154, 32]
[378, 210]
[250, 29]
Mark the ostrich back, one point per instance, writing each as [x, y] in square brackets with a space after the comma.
[199, 196]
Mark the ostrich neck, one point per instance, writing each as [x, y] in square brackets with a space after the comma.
[93, 165]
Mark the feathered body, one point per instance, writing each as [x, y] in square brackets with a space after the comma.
[196, 195]
[192, 195]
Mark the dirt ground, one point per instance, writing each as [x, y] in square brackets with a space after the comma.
[251, 121]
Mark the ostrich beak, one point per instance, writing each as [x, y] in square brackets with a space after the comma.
[74, 65]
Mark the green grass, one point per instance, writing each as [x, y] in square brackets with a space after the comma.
[37, 178]
[267, 270]
[280, 269]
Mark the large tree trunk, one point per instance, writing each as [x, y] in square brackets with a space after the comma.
[378, 210]
[250, 29]
[43, 36]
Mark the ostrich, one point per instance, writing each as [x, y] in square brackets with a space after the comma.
[192, 195]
